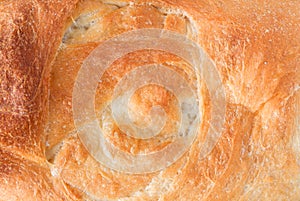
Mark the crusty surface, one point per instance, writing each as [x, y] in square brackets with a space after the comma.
[255, 46]
[29, 36]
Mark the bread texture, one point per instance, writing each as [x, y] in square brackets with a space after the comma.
[255, 47]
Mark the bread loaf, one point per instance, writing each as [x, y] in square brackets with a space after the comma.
[253, 47]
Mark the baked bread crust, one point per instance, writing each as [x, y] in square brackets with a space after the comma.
[29, 37]
[255, 47]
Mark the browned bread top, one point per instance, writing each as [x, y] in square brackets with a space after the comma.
[255, 47]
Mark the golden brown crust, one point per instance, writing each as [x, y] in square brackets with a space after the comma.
[255, 46]
[30, 34]
[22, 179]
